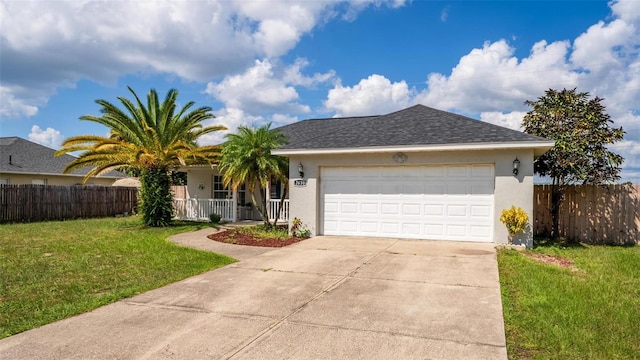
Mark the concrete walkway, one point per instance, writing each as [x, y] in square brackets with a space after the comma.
[323, 298]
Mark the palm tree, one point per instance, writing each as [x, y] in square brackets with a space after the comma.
[152, 139]
[247, 159]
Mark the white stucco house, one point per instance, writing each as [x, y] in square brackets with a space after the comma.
[418, 173]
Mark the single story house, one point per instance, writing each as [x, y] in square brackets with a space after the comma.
[418, 173]
[26, 162]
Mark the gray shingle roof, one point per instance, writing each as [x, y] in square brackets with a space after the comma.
[416, 125]
[31, 158]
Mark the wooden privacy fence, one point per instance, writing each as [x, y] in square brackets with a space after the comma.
[594, 214]
[29, 203]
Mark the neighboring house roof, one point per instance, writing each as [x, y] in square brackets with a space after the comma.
[416, 128]
[20, 156]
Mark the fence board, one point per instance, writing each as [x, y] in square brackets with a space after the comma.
[602, 214]
[30, 203]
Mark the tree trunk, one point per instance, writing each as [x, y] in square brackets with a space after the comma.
[262, 209]
[556, 200]
[282, 198]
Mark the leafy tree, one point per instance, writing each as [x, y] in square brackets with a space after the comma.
[581, 129]
[247, 159]
[152, 140]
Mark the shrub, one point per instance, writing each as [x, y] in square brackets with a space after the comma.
[215, 218]
[298, 229]
[515, 219]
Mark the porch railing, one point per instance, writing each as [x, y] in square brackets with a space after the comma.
[200, 209]
[274, 205]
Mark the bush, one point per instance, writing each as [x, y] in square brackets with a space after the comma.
[215, 218]
[299, 230]
[515, 219]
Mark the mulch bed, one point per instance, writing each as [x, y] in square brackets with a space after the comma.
[233, 236]
[551, 259]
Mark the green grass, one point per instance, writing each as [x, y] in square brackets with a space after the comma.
[53, 270]
[589, 312]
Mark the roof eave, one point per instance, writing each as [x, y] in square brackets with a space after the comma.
[57, 174]
[539, 147]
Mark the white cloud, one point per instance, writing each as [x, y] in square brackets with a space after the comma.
[13, 107]
[282, 119]
[493, 79]
[231, 118]
[264, 88]
[627, 10]
[373, 95]
[49, 137]
[46, 45]
[511, 120]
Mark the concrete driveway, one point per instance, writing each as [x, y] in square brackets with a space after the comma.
[323, 298]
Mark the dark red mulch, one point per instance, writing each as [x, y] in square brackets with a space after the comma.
[233, 236]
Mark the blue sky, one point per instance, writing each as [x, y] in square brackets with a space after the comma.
[281, 61]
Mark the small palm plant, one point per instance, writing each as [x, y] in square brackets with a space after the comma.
[247, 159]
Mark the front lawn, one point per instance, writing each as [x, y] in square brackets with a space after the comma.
[53, 270]
[571, 303]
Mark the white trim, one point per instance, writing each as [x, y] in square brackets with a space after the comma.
[543, 146]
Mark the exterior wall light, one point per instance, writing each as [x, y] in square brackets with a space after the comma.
[516, 166]
[300, 170]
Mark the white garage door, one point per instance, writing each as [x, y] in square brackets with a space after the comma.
[448, 202]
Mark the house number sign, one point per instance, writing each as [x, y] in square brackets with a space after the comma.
[300, 182]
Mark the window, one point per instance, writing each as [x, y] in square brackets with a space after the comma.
[219, 190]
[4, 181]
[39, 181]
[242, 195]
[276, 189]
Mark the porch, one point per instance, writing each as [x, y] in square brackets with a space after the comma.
[195, 209]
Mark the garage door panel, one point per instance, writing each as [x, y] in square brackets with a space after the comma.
[349, 208]
[411, 209]
[480, 231]
[482, 188]
[331, 207]
[390, 209]
[369, 226]
[435, 188]
[370, 208]
[390, 188]
[434, 172]
[388, 228]
[434, 210]
[481, 211]
[457, 187]
[411, 228]
[447, 202]
[454, 230]
[434, 231]
[412, 187]
[349, 226]
[457, 171]
[478, 171]
[457, 210]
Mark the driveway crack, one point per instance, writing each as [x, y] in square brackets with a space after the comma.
[325, 290]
